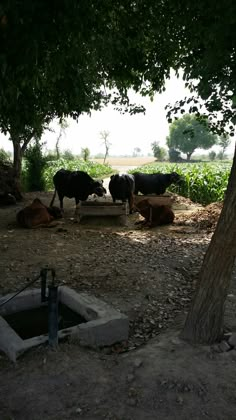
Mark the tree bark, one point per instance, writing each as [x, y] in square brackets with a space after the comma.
[204, 323]
[105, 157]
[17, 165]
[18, 152]
[17, 158]
[189, 156]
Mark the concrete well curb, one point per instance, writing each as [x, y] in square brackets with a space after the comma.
[105, 325]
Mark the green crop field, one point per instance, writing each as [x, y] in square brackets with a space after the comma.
[204, 183]
[94, 169]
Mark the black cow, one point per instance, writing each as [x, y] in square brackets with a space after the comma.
[154, 183]
[75, 184]
[7, 199]
[121, 188]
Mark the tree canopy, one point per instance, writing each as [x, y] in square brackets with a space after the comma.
[61, 59]
[158, 151]
[187, 134]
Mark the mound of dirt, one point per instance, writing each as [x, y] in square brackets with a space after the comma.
[179, 199]
[203, 219]
[8, 183]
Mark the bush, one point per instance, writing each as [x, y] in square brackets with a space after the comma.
[220, 155]
[68, 155]
[158, 151]
[174, 155]
[212, 155]
[4, 156]
[85, 153]
[35, 163]
[50, 156]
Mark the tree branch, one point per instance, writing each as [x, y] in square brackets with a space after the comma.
[26, 142]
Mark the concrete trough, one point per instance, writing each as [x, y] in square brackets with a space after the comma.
[95, 210]
[104, 325]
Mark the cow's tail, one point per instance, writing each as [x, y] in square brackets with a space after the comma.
[53, 198]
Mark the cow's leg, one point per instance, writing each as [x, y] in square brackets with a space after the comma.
[61, 196]
[131, 203]
[77, 201]
[53, 198]
[148, 221]
[150, 215]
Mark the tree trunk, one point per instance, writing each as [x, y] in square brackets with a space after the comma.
[106, 153]
[17, 158]
[57, 148]
[17, 165]
[204, 323]
[189, 156]
[18, 152]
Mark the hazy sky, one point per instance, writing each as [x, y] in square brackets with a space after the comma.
[126, 131]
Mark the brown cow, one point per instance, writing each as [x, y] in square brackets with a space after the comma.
[37, 215]
[154, 214]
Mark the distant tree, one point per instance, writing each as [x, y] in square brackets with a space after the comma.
[104, 136]
[174, 155]
[136, 151]
[220, 155]
[85, 153]
[224, 142]
[63, 126]
[68, 155]
[188, 133]
[212, 155]
[99, 156]
[158, 151]
[50, 155]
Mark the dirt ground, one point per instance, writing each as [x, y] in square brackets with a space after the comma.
[148, 274]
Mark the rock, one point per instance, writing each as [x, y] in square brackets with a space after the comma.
[179, 400]
[232, 340]
[130, 377]
[132, 402]
[227, 336]
[78, 410]
[138, 363]
[224, 346]
[9, 188]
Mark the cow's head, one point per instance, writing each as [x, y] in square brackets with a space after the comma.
[176, 178]
[98, 188]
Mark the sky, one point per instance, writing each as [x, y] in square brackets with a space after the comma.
[126, 132]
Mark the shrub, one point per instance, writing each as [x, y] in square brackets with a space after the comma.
[4, 156]
[68, 155]
[174, 155]
[35, 163]
[212, 155]
[85, 153]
